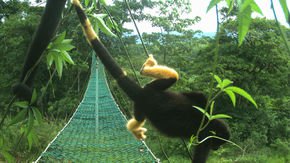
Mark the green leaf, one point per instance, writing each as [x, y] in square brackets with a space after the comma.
[19, 117]
[59, 66]
[244, 20]
[32, 138]
[64, 47]
[30, 122]
[226, 82]
[67, 57]
[285, 8]
[37, 115]
[203, 111]
[212, 4]
[34, 97]
[87, 2]
[8, 157]
[66, 41]
[232, 96]
[218, 79]
[230, 4]
[59, 38]
[104, 28]
[256, 8]
[104, 2]
[21, 104]
[49, 59]
[243, 93]
[220, 116]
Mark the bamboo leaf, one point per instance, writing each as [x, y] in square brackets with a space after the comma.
[67, 57]
[220, 116]
[37, 115]
[243, 93]
[21, 104]
[232, 96]
[59, 38]
[218, 79]
[30, 122]
[203, 111]
[104, 28]
[19, 117]
[8, 157]
[226, 82]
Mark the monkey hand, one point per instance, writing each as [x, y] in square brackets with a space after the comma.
[150, 62]
[137, 128]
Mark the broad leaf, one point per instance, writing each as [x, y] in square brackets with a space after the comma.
[212, 4]
[220, 116]
[67, 57]
[34, 97]
[285, 8]
[104, 2]
[230, 4]
[218, 79]
[203, 111]
[8, 157]
[232, 96]
[19, 117]
[21, 104]
[243, 93]
[104, 28]
[244, 20]
[37, 115]
[59, 38]
[64, 47]
[30, 122]
[256, 8]
[226, 82]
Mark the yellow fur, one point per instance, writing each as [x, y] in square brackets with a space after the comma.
[89, 31]
[87, 27]
[152, 69]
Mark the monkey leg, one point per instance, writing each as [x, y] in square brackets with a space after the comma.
[152, 69]
[137, 128]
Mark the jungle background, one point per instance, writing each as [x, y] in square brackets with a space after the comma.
[260, 65]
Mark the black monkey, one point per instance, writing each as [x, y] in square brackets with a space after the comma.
[43, 35]
[170, 112]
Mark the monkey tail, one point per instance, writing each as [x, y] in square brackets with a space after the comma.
[131, 88]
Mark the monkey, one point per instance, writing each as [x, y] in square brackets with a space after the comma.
[172, 113]
[42, 37]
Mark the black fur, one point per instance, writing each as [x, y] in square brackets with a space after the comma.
[172, 113]
[43, 35]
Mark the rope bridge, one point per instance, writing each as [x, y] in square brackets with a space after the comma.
[96, 132]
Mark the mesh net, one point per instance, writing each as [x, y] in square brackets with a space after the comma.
[96, 132]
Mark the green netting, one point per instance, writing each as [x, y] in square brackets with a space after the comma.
[96, 132]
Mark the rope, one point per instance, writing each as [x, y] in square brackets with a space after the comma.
[140, 37]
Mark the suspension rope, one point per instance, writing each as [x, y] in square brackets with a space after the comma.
[140, 37]
[123, 44]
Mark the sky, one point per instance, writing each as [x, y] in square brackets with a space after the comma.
[208, 20]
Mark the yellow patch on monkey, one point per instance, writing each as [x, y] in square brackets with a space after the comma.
[152, 69]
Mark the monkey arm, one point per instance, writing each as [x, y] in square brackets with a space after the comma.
[161, 84]
[152, 69]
